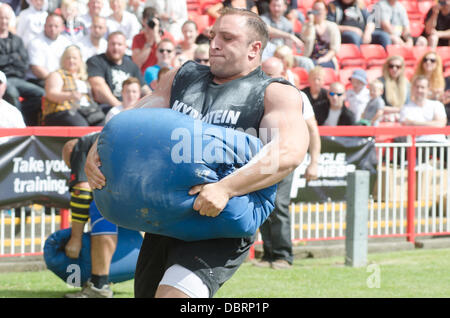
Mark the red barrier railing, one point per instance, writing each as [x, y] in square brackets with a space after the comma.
[357, 131]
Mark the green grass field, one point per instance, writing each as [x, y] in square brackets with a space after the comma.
[416, 273]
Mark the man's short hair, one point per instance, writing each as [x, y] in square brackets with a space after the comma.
[254, 22]
[131, 80]
[116, 33]
[417, 78]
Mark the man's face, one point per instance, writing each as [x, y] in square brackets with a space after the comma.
[117, 5]
[336, 96]
[53, 27]
[98, 28]
[95, 7]
[229, 48]
[277, 8]
[131, 94]
[165, 53]
[4, 20]
[420, 90]
[116, 48]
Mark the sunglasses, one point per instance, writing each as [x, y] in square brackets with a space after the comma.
[201, 60]
[427, 59]
[395, 66]
[338, 94]
[165, 50]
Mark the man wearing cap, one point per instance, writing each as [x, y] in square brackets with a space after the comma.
[10, 116]
[359, 95]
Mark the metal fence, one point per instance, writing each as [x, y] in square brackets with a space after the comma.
[408, 200]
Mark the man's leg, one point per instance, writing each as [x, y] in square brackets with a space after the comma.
[102, 251]
[276, 231]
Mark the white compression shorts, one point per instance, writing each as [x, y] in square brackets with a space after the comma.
[183, 279]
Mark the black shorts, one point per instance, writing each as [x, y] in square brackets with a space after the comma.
[214, 261]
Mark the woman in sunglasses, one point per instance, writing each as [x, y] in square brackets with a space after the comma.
[396, 84]
[430, 65]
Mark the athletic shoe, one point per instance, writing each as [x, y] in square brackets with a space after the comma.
[90, 291]
[262, 264]
[281, 264]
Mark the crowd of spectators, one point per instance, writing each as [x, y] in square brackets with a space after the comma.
[64, 62]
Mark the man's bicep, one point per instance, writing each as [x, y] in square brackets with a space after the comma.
[282, 110]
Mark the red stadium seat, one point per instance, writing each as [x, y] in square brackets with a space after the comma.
[375, 54]
[330, 76]
[302, 76]
[305, 4]
[424, 6]
[405, 52]
[202, 22]
[444, 53]
[374, 73]
[416, 27]
[350, 56]
[412, 10]
[344, 76]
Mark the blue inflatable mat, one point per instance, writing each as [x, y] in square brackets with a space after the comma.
[152, 157]
[123, 263]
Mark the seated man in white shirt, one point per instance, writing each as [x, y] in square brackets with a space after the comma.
[421, 111]
[10, 116]
[94, 42]
[46, 50]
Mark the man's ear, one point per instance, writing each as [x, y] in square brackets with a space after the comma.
[255, 49]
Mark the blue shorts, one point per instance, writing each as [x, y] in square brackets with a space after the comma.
[99, 225]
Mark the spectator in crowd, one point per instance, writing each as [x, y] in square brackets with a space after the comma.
[94, 42]
[322, 37]
[187, 46]
[280, 28]
[10, 116]
[317, 95]
[67, 100]
[95, 8]
[376, 107]
[437, 24]
[46, 50]
[286, 55]
[358, 96]
[124, 21]
[165, 55]
[172, 14]
[14, 64]
[74, 28]
[131, 93]
[338, 114]
[145, 42]
[30, 22]
[276, 230]
[387, 24]
[213, 10]
[201, 54]
[136, 7]
[421, 111]
[396, 85]
[430, 65]
[107, 72]
[351, 18]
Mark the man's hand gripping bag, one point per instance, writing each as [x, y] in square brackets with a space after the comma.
[152, 157]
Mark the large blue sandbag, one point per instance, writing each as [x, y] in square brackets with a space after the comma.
[123, 263]
[152, 157]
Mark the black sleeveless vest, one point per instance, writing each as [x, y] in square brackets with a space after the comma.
[238, 104]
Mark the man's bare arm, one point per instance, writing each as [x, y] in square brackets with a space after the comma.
[280, 156]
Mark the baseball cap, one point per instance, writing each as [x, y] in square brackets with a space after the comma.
[360, 75]
[2, 77]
